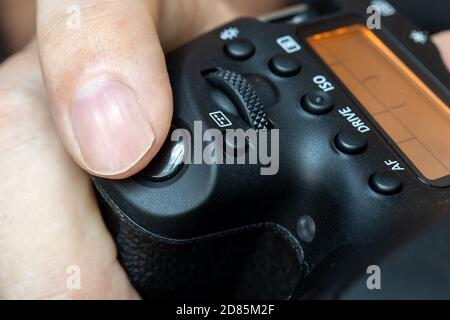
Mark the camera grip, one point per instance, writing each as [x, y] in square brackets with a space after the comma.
[257, 262]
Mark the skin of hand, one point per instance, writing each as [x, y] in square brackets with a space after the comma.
[49, 218]
[105, 75]
[107, 80]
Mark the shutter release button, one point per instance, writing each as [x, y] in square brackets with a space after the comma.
[167, 163]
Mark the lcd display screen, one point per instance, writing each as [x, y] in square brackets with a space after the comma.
[408, 111]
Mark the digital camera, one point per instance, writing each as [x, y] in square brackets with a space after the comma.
[351, 102]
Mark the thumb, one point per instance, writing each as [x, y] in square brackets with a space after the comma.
[106, 78]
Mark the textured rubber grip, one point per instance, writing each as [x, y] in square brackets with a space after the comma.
[257, 262]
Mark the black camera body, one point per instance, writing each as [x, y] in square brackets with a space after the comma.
[348, 187]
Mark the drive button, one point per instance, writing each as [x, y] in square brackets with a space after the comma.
[351, 142]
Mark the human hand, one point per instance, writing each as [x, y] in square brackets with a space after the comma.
[109, 45]
[49, 218]
[107, 81]
[50, 222]
[442, 40]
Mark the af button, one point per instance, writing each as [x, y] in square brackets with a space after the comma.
[386, 182]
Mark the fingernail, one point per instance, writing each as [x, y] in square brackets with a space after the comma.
[111, 129]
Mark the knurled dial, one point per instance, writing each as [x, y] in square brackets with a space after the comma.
[240, 91]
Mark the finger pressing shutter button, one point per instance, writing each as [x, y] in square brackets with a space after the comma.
[386, 182]
[240, 49]
[167, 163]
[351, 142]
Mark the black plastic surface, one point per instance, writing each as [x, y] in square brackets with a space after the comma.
[350, 219]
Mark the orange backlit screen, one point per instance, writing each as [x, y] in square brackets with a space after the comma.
[409, 112]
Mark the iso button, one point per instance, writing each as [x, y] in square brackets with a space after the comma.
[317, 102]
